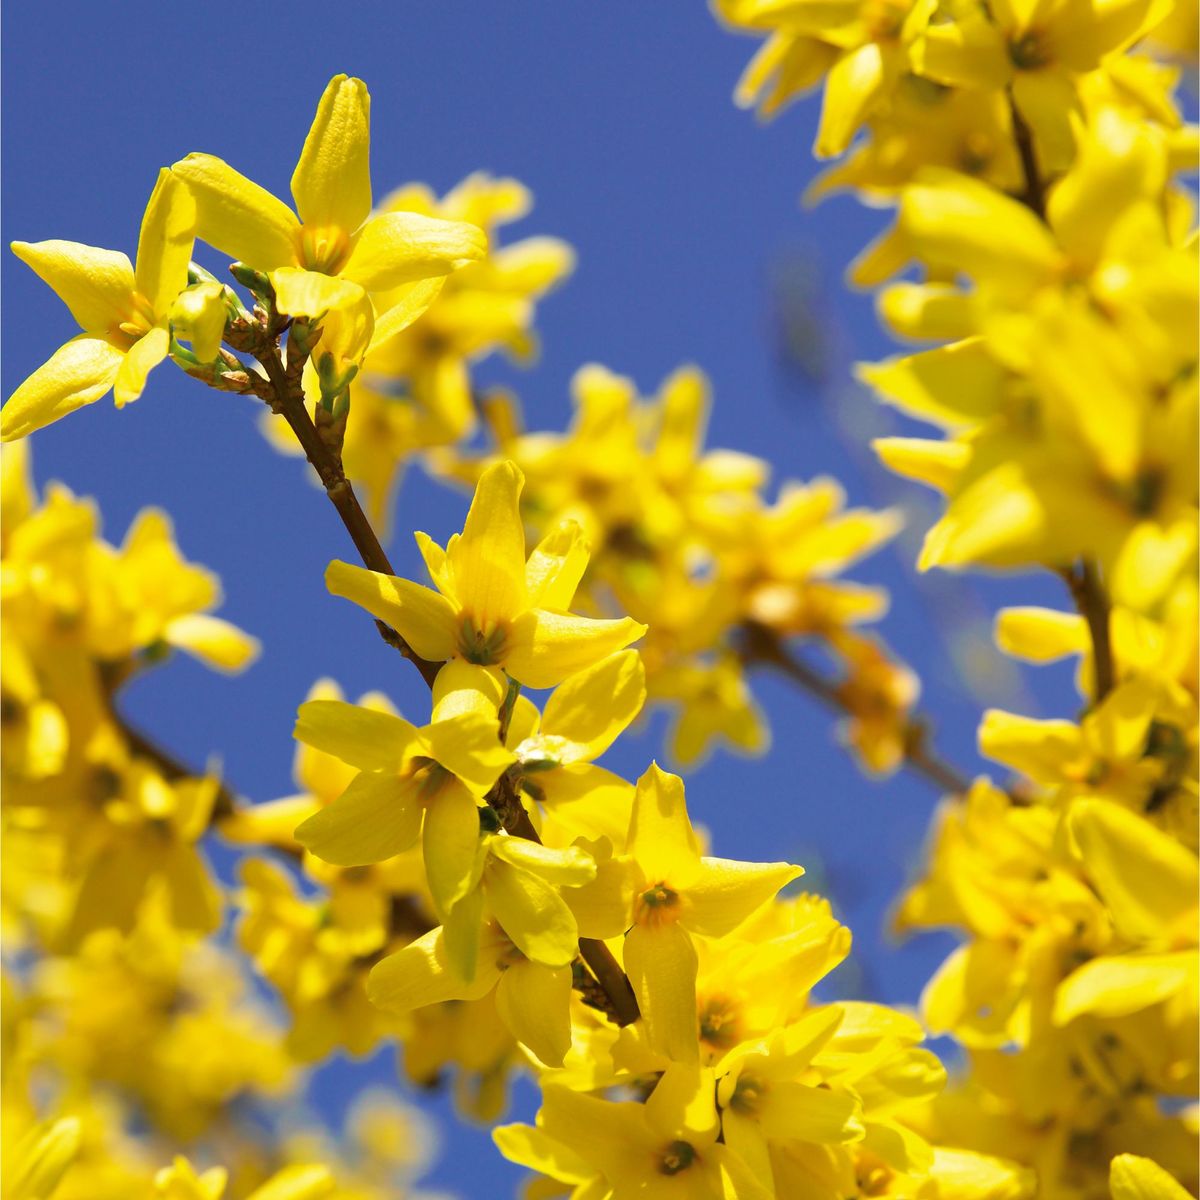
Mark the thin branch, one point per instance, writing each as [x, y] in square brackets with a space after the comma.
[1092, 603]
[1034, 196]
[286, 397]
[762, 646]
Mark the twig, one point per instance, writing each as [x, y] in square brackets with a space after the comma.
[762, 646]
[1092, 603]
[286, 397]
[1035, 190]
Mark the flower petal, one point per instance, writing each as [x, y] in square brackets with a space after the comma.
[332, 181]
[76, 374]
[396, 248]
[469, 746]
[376, 817]
[165, 242]
[363, 737]
[591, 708]
[488, 560]
[661, 964]
[96, 285]
[212, 640]
[420, 615]
[535, 1003]
[142, 357]
[421, 974]
[660, 833]
[450, 841]
[725, 893]
[301, 293]
[532, 913]
[546, 647]
[237, 216]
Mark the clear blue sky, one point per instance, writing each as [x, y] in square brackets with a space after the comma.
[685, 215]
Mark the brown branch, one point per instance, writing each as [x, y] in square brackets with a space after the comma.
[286, 397]
[1034, 196]
[1093, 605]
[763, 647]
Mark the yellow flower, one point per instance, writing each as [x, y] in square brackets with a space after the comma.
[124, 312]
[661, 891]
[335, 250]
[411, 783]
[533, 999]
[665, 1149]
[491, 607]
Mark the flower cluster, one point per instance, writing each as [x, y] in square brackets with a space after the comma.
[1032, 154]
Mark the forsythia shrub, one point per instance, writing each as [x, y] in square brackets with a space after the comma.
[472, 885]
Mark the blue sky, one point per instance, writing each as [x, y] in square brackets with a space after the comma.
[685, 215]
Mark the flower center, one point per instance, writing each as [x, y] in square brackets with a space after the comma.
[748, 1095]
[719, 1022]
[657, 905]
[139, 320]
[676, 1157]
[1028, 52]
[323, 248]
[483, 647]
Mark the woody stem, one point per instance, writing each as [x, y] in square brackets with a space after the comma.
[1092, 602]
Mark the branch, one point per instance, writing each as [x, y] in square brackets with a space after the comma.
[763, 646]
[1093, 605]
[1035, 189]
[286, 397]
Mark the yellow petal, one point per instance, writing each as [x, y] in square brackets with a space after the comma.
[165, 242]
[939, 465]
[76, 374]
[421, 974]
[724, 893]
[237, 216]
[660, 835]
[396, 248]
[532, 913]
[96, 285]
[37, 1163]
[300, 1181]
[363, 737]
[488, 560]
[683, 1105]
[301, 293]
[376, 817]
[1118, 985]
[852, 88]
[1132, 1177]
[603, 908]
[469, 746]
[212, 640]
[546, 647]
[332, 181]
[398, 309]
[1148, 880]
[535, 1003]
[1048, 99]
[142, 357]
[421, 616]
[592, 708]
[570, 867]
[556, 566]
[450, 841]
[1041, 634]
[661, 964]
[811, 1114]
[953, 385]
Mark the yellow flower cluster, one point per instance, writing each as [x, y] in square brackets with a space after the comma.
[477, 887]
[686, 541]
[1031, 152]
